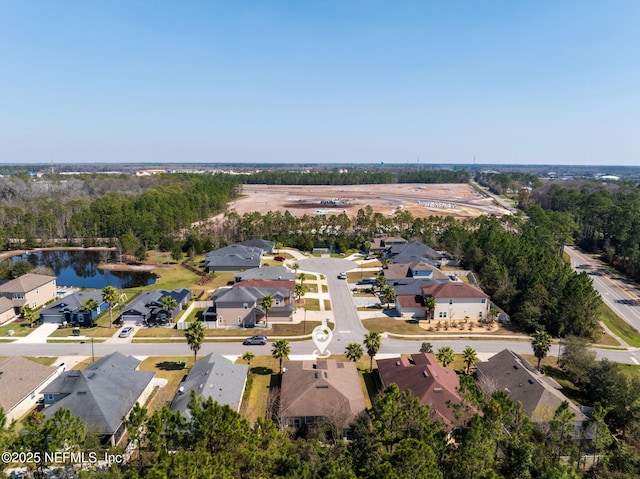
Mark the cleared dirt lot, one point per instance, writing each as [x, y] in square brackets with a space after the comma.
[457, 200]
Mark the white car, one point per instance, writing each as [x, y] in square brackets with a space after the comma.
[342, 276]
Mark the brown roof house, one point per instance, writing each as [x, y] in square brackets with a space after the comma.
[21, 381]
[540, 395]
[454, 300]
[430, 382]
[7, 311]
[415, 269]
[102, 395]
[29, 289]
[322, 390]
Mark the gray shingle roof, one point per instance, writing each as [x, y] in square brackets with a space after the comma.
[212, 377]
[264, 245]
[103, 393]
[72, 302]
[236, 255]
[267, 272]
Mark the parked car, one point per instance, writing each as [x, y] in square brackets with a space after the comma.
[260, 340]
[126, 332]
[342, 276]
[279, 258]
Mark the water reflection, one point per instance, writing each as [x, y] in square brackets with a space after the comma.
[80, 268]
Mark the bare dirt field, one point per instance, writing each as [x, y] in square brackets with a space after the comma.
[422, 200]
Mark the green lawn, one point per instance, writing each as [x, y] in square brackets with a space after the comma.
[45, 361]
[619, 327]
[389, 325]
[327, 305]
[20, 329]
[325, 288]
[254, 401]
[96, 332]
[168, 368]
[311, 304]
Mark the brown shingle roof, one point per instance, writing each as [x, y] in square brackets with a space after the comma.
[18, 378]
[25, 283]
[402, 270]
[430, 382]
[321, 388]
[453, 289]
[5, 304]
[268, 283]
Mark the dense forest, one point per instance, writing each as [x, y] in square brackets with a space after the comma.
[88, 209]
[607, 216]
[396, 438]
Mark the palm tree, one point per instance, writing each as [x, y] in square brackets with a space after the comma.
[388, 295]
[266, 303]
[302, 277]
[470, 357]
[280, 350]
[298, 292]
[89, 305]
[445, 356]
[353, 352]
[29, 314]
[430, 303]
[110, 296]
[381, 282]
[541, 344]
[248, 356]
[169, 303]
[195, 337]
[295, 267]
[373, 343]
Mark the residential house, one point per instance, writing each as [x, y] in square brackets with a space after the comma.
[382, 243]
[101, 395]
[147, 306]
[7, 311]
[70, 309]
[235, 257]
[413, 251]
[320, 390]
[29, 289]
[265, 245]
[540, 395]
[454, 300]
[240, 304]
[414, 269]
[21, 382]
[266, 272]
[215, 377]
[430, 382]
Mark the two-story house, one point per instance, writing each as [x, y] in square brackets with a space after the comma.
[240, 304]
[30, 289]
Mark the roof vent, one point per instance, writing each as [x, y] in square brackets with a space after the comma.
[91, 374]
[530, 381]
[82, 391]
[397, 363]
[322, 386]
[325, 375]
[316, 375]
[515, 366]
[181, 390]
[425, 373]
[438, 390]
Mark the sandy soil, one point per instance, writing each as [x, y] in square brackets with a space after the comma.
[457, 200]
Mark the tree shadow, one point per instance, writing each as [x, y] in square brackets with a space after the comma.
[171, 365]
[261, 371]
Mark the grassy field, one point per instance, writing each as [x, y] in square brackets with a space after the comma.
[327, 305]
[325, 288]
[312, 304]
[619, 327]
[20, 329]
[389, 325]
[168, 368]
[45, 361]
[254, 401]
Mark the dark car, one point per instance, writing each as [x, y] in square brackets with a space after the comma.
[260, 340]
[279, 258]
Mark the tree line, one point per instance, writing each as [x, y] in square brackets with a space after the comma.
[356, 177]
[607, 218]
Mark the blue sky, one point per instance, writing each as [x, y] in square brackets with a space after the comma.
[339, 81]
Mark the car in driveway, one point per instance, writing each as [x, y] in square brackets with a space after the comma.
[126, 332]
[260, 340]
[342, 276]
